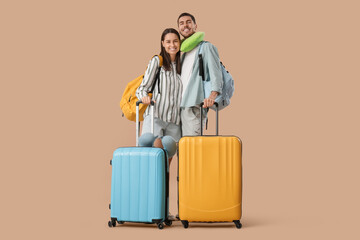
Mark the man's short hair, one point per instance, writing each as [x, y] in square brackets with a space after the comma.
[186, 14]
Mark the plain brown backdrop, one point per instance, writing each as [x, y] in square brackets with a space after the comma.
[64, 65]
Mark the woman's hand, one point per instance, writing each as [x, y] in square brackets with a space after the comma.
[146, 100]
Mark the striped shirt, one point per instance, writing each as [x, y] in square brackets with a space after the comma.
[167, 102]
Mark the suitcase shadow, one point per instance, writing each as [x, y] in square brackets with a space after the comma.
[254, 222]
[224, 225]
[138, 225]
[211, 225]
[246, 223]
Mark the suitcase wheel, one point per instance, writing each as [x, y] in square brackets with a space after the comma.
[112, 223]
[168, 223]
[237, 224]
[160, 225]
[185, 223]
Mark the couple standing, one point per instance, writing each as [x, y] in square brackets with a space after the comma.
[178, 98]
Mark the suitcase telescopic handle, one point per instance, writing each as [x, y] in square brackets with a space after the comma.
[138, 122]
[217, 118]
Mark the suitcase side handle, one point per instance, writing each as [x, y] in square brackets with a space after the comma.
[217, 118]
[138, 122]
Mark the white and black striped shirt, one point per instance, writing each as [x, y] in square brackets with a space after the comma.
[167, 102]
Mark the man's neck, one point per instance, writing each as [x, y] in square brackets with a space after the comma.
[189, 36]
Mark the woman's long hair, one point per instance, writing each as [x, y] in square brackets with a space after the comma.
[166, 56]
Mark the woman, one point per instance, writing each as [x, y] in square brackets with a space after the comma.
[168, 99]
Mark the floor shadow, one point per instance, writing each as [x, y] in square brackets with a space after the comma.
[137, 225]
[224, 225]
[247, 222]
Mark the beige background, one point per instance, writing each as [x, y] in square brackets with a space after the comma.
[64, 65]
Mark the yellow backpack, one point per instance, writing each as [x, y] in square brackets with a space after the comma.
[129, 99]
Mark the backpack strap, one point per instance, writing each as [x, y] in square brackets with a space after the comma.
[202, 72]
[160, 60]
[157, 74]
[201, 61]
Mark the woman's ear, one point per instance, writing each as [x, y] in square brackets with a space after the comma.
[162, 43]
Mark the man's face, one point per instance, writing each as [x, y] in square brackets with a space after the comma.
[186, 26]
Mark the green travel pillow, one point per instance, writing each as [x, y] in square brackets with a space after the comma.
[191, 42]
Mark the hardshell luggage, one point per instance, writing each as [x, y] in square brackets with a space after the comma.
[139, 185]
[210, 178]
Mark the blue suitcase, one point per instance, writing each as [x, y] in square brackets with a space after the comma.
[139, 185]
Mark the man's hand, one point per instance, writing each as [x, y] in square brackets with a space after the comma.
[146, 100]
[208, 102]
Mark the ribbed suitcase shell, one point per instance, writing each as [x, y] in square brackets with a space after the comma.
[210, 174]
[138, 185]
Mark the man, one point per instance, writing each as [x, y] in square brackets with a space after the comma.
[193, 93]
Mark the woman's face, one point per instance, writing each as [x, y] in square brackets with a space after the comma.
[171, 43]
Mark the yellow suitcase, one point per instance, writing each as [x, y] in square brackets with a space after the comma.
[210, 179]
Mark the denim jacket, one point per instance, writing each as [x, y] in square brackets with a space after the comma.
[194, 93]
